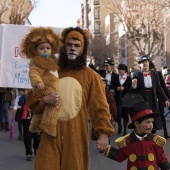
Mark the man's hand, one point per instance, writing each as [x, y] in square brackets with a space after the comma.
[52, 99]
[121, 88]
[102, 143]
[167, 103]
[134, 82]
[92, 60]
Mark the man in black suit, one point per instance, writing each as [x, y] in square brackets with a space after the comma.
[106, 72]
[121, 84]
[147, 84]
[160, 102]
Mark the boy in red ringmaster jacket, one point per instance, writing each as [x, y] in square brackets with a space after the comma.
[143, 149]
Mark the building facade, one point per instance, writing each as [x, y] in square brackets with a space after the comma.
[98, 19]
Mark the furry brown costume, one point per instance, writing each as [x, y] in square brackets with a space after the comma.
[80, 89]
[43, 69]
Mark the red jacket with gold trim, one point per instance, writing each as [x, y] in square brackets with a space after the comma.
[142, 154]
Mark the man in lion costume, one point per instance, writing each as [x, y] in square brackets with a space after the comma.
[80, 92]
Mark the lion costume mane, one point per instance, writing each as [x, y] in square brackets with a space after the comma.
[81, 92]
[43, 69]
[79, 62]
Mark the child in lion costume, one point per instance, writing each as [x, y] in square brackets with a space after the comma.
[40, 45]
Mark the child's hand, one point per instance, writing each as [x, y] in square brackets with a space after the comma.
[167, 103]
[41, 85]
[92, 60]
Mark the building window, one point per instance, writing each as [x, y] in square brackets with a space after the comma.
[96, 14]
[96, 2]
[97, 27]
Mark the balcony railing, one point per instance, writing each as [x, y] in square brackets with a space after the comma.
[96, 32]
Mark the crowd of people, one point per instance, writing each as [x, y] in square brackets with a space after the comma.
[58, 120]
[137, 81]
[153, 89]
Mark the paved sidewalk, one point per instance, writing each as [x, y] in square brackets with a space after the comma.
[12, 153]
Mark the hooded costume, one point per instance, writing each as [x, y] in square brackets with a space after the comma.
[43, 69]
[81, 92]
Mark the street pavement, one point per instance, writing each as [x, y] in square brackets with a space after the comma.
[12, 153]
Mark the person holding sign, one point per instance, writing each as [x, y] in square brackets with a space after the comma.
[40, 45]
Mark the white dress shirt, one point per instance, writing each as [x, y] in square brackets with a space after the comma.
[122, 79]
[147, 80]
[108, 77]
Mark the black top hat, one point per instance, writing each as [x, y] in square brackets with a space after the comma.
[143, 58]
[122, 67]
[140, 110]
[109, 61]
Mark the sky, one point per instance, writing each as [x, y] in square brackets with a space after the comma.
[56, 13]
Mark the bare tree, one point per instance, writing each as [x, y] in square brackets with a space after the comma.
[100, 50]
[15, 11]
[4, 7]
[143, 23]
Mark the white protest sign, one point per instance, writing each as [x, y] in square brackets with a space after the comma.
[14, 67]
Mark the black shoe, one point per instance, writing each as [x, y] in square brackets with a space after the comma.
[29, 158]
[119, 129]
[2, 127]
[7, 129]
[124, 133]
[20, 138]
[166, 136]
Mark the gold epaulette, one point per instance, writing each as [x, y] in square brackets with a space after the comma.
[121, 141]
[160, 141]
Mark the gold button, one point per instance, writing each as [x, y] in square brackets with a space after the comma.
[133, 168]
[150, 167]
[132, 157]
[150, 157]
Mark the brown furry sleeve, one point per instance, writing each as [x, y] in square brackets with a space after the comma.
[35, 74]
[99, 108]
[35, 103]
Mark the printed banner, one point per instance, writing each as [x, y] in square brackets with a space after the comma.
[14, 67]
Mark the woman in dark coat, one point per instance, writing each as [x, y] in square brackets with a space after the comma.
[160, 102]
[147, 84]
[121, 84]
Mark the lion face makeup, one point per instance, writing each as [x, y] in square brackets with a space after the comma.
[73, 49]
[75, 35]
[74, 52]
